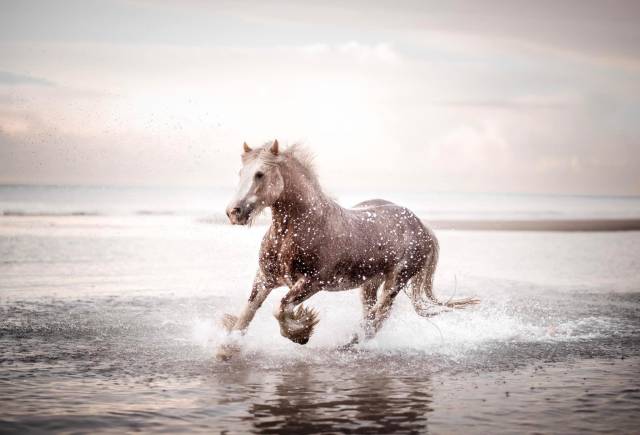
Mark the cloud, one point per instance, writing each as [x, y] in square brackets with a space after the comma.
[533, 103]
[457, 96]
[13, 79]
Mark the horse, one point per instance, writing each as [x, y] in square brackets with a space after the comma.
[313, 244]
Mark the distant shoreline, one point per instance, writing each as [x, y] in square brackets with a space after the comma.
[592, 225]
[566, 225]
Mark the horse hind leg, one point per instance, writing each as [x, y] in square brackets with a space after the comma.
[368, 296]
[380, 312]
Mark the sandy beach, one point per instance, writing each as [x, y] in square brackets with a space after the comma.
[537, 225]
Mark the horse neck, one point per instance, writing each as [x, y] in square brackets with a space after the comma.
[302, 198]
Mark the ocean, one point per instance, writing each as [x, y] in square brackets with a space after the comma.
[21, 200]
[110, 300]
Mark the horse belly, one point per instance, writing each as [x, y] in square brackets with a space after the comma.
[342, 284]
[346, 275]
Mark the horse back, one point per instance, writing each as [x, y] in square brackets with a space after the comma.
[373, 203]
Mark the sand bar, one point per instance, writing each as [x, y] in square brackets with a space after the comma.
[538, 225]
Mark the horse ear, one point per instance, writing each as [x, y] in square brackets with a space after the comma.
[274, 148]
[246, 147]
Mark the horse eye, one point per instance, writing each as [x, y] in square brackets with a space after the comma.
[259, 175]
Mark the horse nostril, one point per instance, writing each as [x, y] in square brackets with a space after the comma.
[235, 210]
[228, 214]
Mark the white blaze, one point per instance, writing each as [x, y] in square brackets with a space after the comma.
[247, 175]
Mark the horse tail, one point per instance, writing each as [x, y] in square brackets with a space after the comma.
[421, 286]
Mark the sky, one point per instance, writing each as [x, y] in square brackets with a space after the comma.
[466, 96]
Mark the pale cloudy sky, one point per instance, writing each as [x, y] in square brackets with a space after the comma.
[507, 96]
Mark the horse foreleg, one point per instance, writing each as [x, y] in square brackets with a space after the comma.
[237, 325]
[297, 324]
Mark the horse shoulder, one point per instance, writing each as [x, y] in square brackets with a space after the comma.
[270, 253]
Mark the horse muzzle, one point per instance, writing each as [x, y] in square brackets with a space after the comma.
[239, 214]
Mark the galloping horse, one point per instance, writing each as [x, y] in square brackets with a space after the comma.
[314, 244]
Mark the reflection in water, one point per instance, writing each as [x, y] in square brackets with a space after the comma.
[312, 399]
[306, 402]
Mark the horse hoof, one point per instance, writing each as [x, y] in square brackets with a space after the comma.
[350, 345]
[228, 321]
[227, 351]
[301, 340]
[298, 326]
[299, 336]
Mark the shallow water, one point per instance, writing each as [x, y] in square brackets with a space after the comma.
[109, 323]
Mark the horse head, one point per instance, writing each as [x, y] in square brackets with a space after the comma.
[260, 184]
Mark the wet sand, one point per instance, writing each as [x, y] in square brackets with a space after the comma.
[538, 225]
[563, 225]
